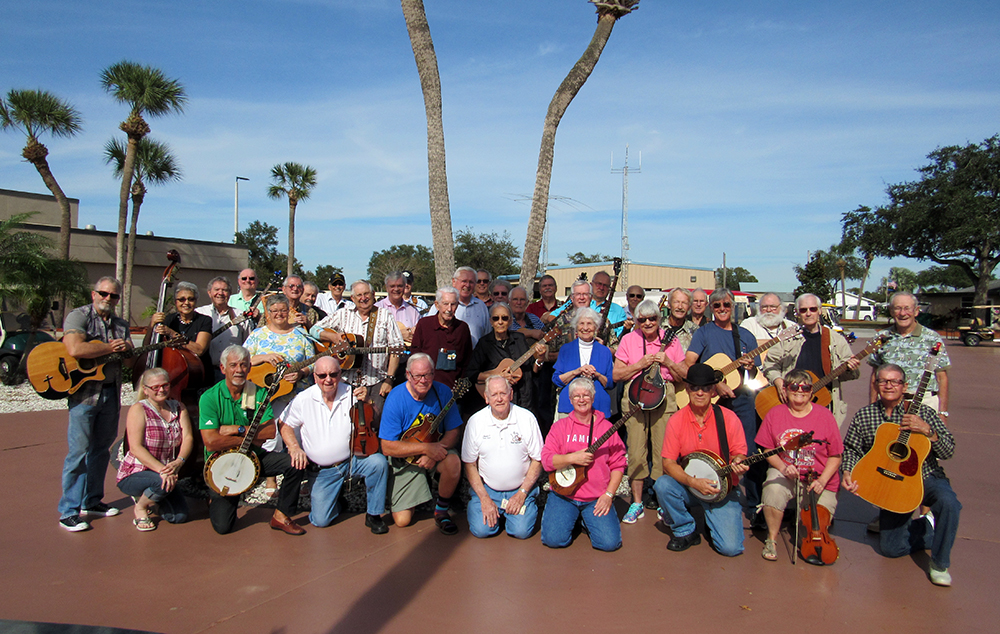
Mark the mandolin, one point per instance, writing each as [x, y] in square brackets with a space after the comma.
[426, 428]
[647, 389]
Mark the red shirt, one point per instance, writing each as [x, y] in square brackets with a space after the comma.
[538, 308]
[681, 437]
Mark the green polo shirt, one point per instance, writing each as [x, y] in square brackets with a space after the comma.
[217, 407]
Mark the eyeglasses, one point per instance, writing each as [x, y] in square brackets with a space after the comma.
[635, 296]
[718, 305]
[327, 375]
[184, 300]
[581, 294]
[769, 307]
[500, 293]
[799, 387]
[808, 309]
[581, 396]
[420, 377]
[699, 301]
[106, 295]
[162, 387]
[903, 310]
[890, 381]
[247, 279]
[699, 388]
[294, 286]
[642, 320]
[482, 281]
[500, 318]
[277, 313]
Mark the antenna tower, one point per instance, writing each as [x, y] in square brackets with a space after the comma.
[624, 171]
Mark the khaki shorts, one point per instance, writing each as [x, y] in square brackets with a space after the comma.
[409, 484]
[654, 420]
[779, 492]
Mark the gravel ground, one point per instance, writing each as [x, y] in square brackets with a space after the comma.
[23, 398]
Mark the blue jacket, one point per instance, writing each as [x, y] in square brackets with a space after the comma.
[569, 359]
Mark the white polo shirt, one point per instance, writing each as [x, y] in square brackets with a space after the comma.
[325, 433]
[504, 448]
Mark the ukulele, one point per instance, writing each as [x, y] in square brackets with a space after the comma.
[515, 364]
[567, 480]
[426, 427]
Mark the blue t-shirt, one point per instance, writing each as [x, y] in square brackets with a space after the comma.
[710, 340]
[401, 411]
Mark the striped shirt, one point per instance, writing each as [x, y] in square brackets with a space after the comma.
[373, 367]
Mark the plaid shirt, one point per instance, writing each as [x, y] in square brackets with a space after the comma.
[861, 435]
[163, 439]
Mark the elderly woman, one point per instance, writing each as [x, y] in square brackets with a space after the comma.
[782, 423]
[566, 445]
[645, 346]
[495, 347]
[187, 322]
[587, 358]
[159, 440]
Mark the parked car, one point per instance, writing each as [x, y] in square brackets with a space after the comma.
[14, 334]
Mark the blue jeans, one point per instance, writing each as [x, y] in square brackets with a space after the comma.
[326, 488]
[900, 535]
[518, 526]
[560, 518]
[723, 519]
[92, 429]
[173, 506]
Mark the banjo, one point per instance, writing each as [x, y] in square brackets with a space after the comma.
[708, 465]
[234, 471]
[567, 480]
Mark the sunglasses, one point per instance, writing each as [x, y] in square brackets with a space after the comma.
[808, 309]
[700, 388]
[482, 281]
[247, 279]
[635, 296]
[642, 320]
[184, 300]
[106, 295]
[327, 375]
[500, 318]
[718, 305]
[799, 387]
[500, 293]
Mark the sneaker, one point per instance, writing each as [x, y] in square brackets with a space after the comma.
[940, 577]
[929, 516]
[634, 514]
[101, 510]
[74, 524]
[662, 515]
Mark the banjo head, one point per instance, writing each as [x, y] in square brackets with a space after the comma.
[566, 476]
[704, 466]
[231, 472]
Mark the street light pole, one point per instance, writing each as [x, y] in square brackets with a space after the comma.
[236, 220]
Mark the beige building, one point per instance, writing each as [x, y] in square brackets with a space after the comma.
[200, 260]
[650, 276]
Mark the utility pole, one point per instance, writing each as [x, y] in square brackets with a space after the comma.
[236, 219]
[624, 171]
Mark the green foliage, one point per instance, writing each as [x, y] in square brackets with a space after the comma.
[905, 280]
[945, 278]
[321, 276]
[734, 275]
[261, 240]
[489, 251]
[812, 278]
[293, 180]
[417, 259]
[144, 88]
[154, 162]
[38, 111]
[580, 258]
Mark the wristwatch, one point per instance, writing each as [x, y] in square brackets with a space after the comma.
[241, 430]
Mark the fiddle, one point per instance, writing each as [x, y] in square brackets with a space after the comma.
[364, 438]
[817, 547]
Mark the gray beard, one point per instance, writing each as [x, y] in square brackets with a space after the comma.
[770, 320]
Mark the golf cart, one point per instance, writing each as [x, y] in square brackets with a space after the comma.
[15, 329]
[978, 323]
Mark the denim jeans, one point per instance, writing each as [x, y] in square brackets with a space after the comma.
[173, 506]
[723, 519]
[326, 487]
[560, 518]
[518, 526]
[92, 429]
[900, 535]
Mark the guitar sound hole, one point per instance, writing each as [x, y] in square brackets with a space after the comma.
[898, 451]
[269, 379]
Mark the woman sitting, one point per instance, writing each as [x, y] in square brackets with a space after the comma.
[587, 358]
[566, 446]
[159, 440]
[782, 423]
[500, 345]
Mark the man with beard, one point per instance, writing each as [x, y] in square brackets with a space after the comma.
[766, 324]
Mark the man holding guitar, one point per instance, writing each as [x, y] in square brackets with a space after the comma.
[222, 314]
[419, 402]
[224, 413]
[899, 534]
[321, 415]
[92, 331]
[700, 426]
[639, 351]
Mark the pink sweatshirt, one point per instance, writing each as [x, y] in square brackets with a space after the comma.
[568, 435]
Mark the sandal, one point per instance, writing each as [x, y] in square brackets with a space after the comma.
[445, 524]
[770, 551]
[144, 524]
[270, 493]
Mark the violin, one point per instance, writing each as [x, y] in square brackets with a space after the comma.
[817, 547]
[364, 438]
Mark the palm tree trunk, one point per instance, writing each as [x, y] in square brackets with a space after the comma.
[567, 90]
[437, 176]
[42, 165]
[124, 194]
[138, 195]
[292, 204]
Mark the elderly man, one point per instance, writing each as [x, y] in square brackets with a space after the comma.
[377, 328]
[409, 297]
[445, 339]
[482, 289]
[602, 290]
[321, 415]
[899, 534]
[92, 331]
[405, 314]
[500, 292]
[310, 292]
[470, 309]
[676, 314]
[298, 313]
[501, 451]
[633, 296]
[697, 427]
[410, 405]
[819, 350]
[908, 346]
[225, 411]
[222, 315]
[523, 321]
[333, 299]
[581, 295]
[699, 307]
[544, 306]
[247, 282]
[769, 321]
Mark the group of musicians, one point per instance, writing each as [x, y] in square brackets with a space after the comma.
[550, 396]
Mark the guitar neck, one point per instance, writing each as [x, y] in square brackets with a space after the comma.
[925, 380]
[753, 459]
[456, 394]
[671, 335]
[843, 367]
[756, 352]
[134, 352]
[258, 415]
[595, 445]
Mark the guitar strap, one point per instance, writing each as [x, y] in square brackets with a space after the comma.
[737, 346]
[824, 350]
[720, 426]
[249, 399]
[372, 320]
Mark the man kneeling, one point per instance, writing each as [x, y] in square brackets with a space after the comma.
[502, 450]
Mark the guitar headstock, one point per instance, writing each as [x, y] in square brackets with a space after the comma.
[461, 387]
[935, 349]
[177, 341]
[617, 265]
[790, 332]
[798, 442]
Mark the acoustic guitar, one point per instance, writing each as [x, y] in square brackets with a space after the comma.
[768, 397]
[54, 373]
[515, 364]
[427, 427]
[567, 480]
[730, 369]
[248, 313]
[889, 475]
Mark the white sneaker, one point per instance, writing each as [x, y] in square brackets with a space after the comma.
[929, 516]
[101, 510]
[940, 577]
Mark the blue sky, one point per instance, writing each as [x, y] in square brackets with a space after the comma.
[759, 123]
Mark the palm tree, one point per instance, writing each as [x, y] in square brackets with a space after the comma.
[35, 112]
[608, 13]
[154, 164]
[295, 181]
[437, 177]
[147, 91]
